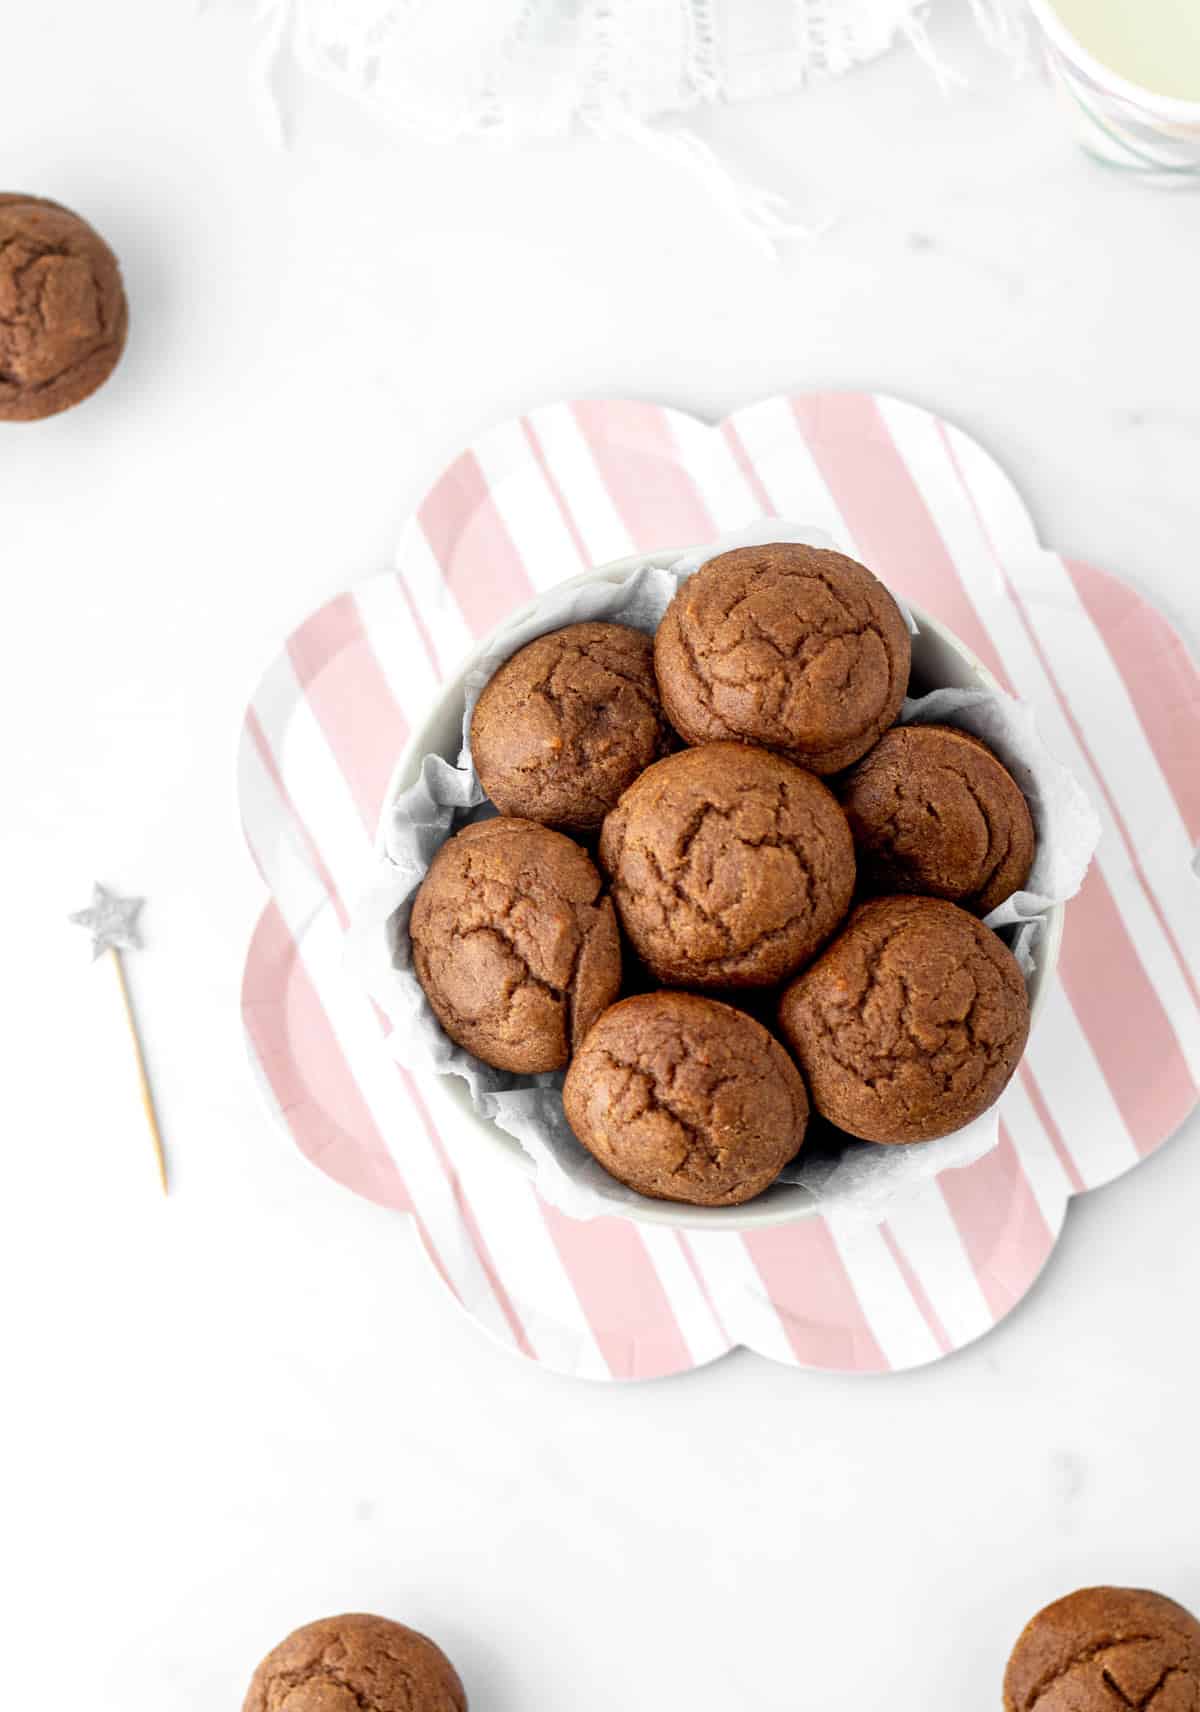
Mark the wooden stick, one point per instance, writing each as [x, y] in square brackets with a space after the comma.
[143, 1077]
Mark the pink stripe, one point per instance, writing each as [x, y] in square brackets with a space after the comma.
[470, 541]
[351, 699]
[742, 458]
[419, 625]
[809, 1288]
[1002, 1228]
[267, 755]
[638, 460]
[1044, 1116]
[1108, 987]
[886, 513]
[308, 1074]
[917, 1291]
[1162, 680]
[621, 1295]
[551, 480]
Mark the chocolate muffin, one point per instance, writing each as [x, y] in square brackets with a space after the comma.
[515, 943]
[342, 1664]
[911, 1023]
[796, 648]
[730, 866]
[1105, 1649]
[62, 309]
[932, 810]
[686, 1099]
[568, 722]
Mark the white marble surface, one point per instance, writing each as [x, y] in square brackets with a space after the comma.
[248, 1407]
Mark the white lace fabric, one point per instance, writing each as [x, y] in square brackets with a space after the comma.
[523, 69]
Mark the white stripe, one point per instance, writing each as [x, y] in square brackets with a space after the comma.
[919, 443]
[1079, 1099]
[884, 1296]
[787, 469]
[691, 1311]
[924, 1227]
[527, 1260]
[737, 1289]
[395, 642]
[1043, 1168]
[570, 460]
[704, 453]
[527, 507]
[431, 595]
[356, 1028]
[312, 777]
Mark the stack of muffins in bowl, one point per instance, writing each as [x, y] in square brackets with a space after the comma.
[724, 891]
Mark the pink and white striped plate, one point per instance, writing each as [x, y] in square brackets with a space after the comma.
[1112, 1070]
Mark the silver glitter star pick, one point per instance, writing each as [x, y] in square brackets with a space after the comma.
[112, 922]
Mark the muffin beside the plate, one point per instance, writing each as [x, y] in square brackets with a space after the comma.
[343, 1664]
[1102, 1649]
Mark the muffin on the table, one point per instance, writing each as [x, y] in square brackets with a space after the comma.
[729, 866]
[795, 648]
[1103, 1649]
[568, 722]
[63, 315]
[686, 1099]
[934, 811]
[515, 943]
[342, 1664]
[910, 1024]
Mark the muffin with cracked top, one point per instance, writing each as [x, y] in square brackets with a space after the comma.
[342, 1664]
[910, 1024]
[1106, 1649]
[933, 810]
[795, 648]
[729, 866]
[515, 943]
[568, 722]
[63, 315]
[686, 1099]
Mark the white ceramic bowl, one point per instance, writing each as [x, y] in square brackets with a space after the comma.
[939, 660]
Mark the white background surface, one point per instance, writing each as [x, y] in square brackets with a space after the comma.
[250, 1406]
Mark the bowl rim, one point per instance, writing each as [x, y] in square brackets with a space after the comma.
[505, 1150]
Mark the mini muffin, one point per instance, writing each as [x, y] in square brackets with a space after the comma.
[686, 1099]
[932, 810]
[911, 1023]
[792, 647]
[1103, 1649]
[730, 866]
[62, 309]
[341, 1664]
[515, 943]
[568, 722]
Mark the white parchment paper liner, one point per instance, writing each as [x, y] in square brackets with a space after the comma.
[863, 1178]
